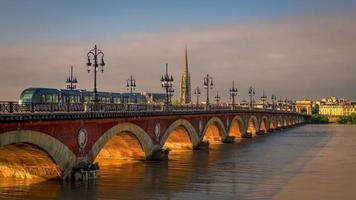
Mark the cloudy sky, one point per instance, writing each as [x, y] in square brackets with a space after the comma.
[295, 49]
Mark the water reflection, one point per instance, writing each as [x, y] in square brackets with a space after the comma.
[254, 168]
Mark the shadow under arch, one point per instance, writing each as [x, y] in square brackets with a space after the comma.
[214, 131]
[143, 138]
[59, 152]
[189, 129]
[237, 127]
[252, 126]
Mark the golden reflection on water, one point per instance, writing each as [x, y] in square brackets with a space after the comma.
[25, 161]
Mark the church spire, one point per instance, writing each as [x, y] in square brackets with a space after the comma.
[185, 87]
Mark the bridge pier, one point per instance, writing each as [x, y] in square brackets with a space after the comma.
[229, 139]
[201, 145]
[159, 154]
[247, 135]
[260, 132]
[271, 130]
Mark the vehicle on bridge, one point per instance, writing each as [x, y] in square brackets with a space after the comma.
[64, 96]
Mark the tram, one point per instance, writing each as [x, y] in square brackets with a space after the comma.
[64, 96]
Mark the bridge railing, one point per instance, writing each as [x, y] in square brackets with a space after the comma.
[15, 107]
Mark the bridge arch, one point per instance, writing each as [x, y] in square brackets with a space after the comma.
[190, 130]
[214, 131]
[237, 127]
[143, 138]
[280, 122]
[273, 124]
[252, 125]
[285, 121]
[264, 125]
[59, 152]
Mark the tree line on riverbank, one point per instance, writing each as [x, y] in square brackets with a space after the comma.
[347, 119]
[320, 119]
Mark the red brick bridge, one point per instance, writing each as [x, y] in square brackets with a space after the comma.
[73, 138]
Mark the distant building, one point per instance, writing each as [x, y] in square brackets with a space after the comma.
[185, 86]
[336, 107]
[304, 106]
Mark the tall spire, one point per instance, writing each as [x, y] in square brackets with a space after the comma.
[185, 87]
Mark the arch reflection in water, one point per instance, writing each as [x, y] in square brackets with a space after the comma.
[26, 161]
[122, 147]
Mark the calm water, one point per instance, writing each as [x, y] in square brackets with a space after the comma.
[258, 168]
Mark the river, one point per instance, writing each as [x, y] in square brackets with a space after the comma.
[306, 162]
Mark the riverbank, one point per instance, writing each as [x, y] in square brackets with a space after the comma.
[331, 174]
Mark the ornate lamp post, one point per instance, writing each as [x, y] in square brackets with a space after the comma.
[217, 97]
[197, 94]
[233, 93]
[274, 98]
[263, 99]
[208, 84]
[95, 54]
[131, 84]
[251, 93]
[71, 80]
[167, 83]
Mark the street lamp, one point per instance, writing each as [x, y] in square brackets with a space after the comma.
[167, 83]
[208, 84]
[274, 98]
[197, 94]
[233, 93]
[217, 97]
[95, 54]
[263, 99]
[251, 93]
[71, 80]
[131, 84]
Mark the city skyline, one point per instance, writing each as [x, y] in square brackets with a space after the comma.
[301, 54]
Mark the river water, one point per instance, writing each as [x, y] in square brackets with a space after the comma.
[306, 162]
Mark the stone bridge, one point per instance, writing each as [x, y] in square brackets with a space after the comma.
[71, 139]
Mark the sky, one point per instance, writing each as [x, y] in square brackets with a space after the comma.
[294, 49]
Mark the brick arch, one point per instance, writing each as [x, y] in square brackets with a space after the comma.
[255, 121]
[194, 137]
[267, 124]
[58, 151]
[143, 138]
[280, 122]
[220, 125]
[285, 121]
[241, 124]
[273, 121]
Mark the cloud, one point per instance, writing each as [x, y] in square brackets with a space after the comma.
[296, 57]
